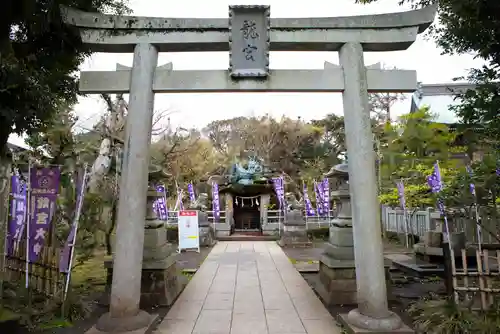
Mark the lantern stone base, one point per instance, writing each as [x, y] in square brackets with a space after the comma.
[320, 224]
[159, 281]
[338, 281]
[294, 234]
[271, 229]
[160, 285]
[337, 269]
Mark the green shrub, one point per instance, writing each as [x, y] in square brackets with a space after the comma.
[443, 316]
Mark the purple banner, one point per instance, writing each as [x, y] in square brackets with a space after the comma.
[401, 193]
[17, 214]
[160, 205]
[215, 201]
[318, 192]
[65, 258]
[192, 196]
[280, 191]
[307, 202]
[326, 196]
[434, 180]
[472, 186]
[44, 190]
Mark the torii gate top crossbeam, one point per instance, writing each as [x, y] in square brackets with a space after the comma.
[383, 32]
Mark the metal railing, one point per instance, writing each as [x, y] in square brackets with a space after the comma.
[173, 217]
[273, 216]
[418, 222]
[422, 221]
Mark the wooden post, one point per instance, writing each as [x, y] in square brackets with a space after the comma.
[448, 269]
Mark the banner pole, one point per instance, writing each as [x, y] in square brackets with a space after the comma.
[6, 239]
[77, 218]
[28, 220]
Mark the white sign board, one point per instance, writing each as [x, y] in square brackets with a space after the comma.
[189, 235]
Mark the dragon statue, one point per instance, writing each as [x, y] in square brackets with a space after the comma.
[253, 171]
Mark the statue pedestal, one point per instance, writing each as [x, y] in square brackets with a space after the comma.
[206, 230]
[223, 228]
[294, 231]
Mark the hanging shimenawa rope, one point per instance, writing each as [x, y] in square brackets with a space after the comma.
[243, 198]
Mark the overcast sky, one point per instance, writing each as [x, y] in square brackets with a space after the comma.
[199, 109]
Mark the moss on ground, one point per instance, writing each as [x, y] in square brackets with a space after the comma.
[8, 315]
[91, 275]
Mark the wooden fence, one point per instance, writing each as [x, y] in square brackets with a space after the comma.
[479, 284]
[43, 275]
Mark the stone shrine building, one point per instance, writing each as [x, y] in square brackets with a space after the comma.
[248, 198]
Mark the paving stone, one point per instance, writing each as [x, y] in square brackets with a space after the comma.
[173, 326]
[247, 288]
[284, 321]
[248, 324]
[219, 301]
[213, 322]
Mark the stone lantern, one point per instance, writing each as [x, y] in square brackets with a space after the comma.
[337, 268]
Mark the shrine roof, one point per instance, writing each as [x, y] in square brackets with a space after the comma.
[246, 189]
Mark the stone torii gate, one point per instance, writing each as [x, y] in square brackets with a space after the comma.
[249, 35]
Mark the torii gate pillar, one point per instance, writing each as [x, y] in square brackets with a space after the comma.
[373, 311]
[127, 265]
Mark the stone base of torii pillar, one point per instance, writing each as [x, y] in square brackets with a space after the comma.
[143, 319]
[346, 321]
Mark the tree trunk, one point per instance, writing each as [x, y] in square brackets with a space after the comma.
[109, 232]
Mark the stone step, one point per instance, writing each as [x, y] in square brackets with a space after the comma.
[247, 237]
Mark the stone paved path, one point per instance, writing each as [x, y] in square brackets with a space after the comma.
[248, 288]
